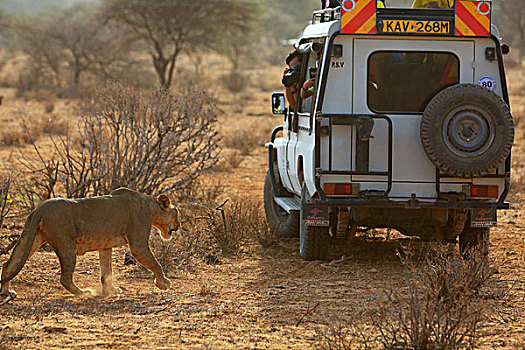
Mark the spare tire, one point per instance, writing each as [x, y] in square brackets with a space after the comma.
[467, 131]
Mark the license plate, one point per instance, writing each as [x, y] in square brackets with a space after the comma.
[483, 218]
[416, 27]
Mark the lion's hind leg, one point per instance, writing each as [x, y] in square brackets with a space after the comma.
[14, 260]
[68, 261]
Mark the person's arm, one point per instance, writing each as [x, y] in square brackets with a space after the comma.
[290, 93]
[305, 90]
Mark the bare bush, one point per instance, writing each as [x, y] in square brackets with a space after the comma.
[444, 307]
[53, 125]
[152, 143]
[233, 223]
[5, 198]
[346, 334]
[18, 137]
[245, 140]
[228, 162]
[235, 82]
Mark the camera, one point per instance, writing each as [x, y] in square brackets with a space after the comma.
[292, 76]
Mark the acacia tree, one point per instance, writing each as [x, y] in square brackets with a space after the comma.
[169, 27]
[75, 40]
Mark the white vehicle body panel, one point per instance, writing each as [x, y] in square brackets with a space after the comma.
[346, 93]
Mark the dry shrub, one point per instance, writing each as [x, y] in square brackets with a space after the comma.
[234, 222]
[207, 289]
[53, 125]
[346, 334]
[5, 198]
[181, 249]
[19, 137]
[245, 140]
[235, 82]
[156, 142]
[228, 162]
[443, 309]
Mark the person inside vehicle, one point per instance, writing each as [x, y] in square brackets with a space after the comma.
[291, 77]
[309, 85]
[433, 4]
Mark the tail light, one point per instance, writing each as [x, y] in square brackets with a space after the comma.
[340, 189]
[484, 191]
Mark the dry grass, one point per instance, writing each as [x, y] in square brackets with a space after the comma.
[207, 289]
[5, 198]
[246, 140]
[19, 136]
[444, 309]
[228, 162]
[53, 125]
[234, 222]
[235, 82]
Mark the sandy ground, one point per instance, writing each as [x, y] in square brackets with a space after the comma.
[258, 299]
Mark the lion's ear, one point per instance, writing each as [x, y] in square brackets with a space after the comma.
[164, 202]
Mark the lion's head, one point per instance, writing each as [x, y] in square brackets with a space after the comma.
[167, 219]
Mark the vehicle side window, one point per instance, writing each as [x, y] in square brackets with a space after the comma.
[311, 71]
[405, 82]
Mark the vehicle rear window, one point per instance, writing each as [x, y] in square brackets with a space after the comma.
[405, 82]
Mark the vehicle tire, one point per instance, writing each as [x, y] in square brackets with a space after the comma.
[467, 131]
[477, 238]
[283, 224]
[314, 241]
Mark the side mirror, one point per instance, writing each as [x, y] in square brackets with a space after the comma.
[278, 103]
[505, 49]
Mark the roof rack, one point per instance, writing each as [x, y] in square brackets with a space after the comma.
[327, 15]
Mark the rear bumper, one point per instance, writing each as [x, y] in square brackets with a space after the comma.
[410, 204]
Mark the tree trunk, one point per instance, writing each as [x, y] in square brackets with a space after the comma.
[161, 65]
[76, 77]
[172, 67]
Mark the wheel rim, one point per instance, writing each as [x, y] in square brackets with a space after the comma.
[468, 131]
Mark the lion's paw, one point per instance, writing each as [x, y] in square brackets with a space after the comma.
[11, 294]
[85, 293]
[163, 284]
[111, 292]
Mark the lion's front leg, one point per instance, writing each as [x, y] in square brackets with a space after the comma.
[106, 273]
[141, 251]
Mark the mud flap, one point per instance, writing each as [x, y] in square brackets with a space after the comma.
[313, 215]
[316, 216]
[482, 218]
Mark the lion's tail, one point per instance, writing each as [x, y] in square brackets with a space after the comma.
[30, 232]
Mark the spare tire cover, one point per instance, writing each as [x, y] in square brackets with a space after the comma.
[467, 131]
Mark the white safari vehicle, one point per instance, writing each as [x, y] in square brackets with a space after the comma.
[409, 127]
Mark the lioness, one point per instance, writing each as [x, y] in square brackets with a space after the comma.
[75, 226]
